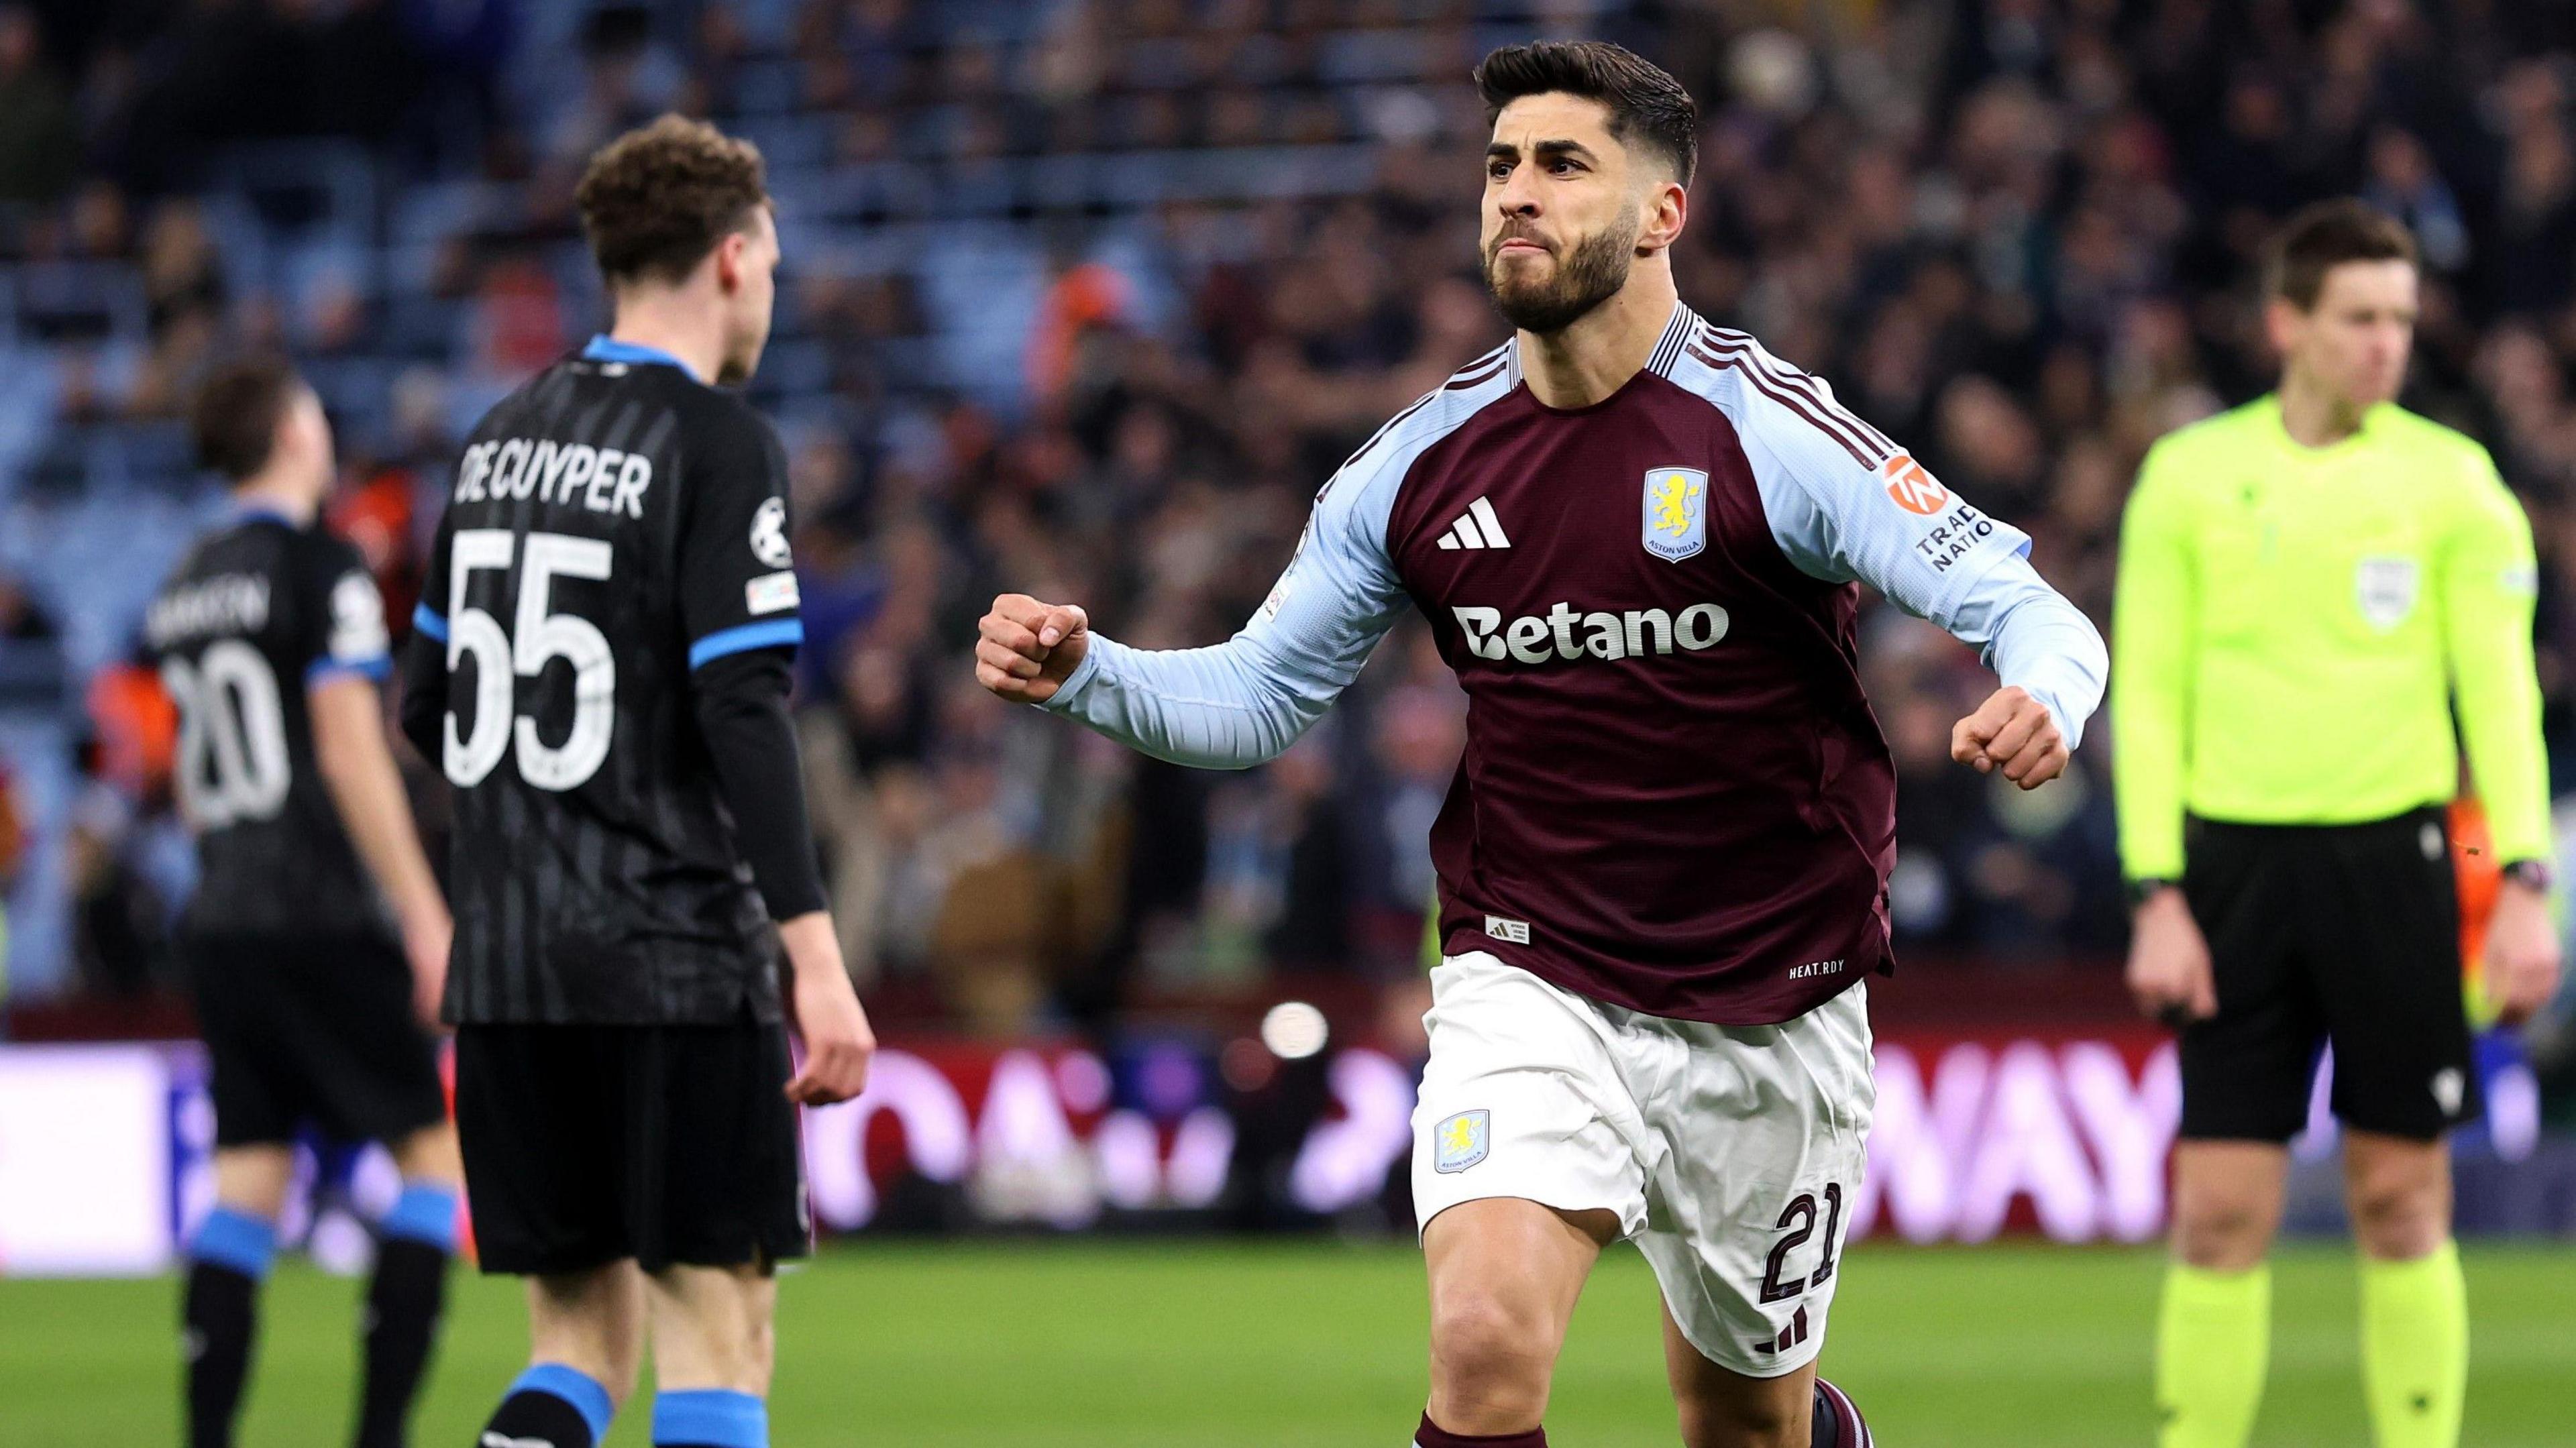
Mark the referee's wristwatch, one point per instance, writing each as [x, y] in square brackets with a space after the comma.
[2533, 874]
[2142, 891]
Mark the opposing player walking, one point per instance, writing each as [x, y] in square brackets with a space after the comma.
[603, 676]
[316, 942]
[1638, 540]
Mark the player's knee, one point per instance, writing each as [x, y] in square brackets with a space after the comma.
[2221, 1230]
[613, 1363]
[430, 1155]
[1483, 1344]
[2396, 1217]
[589, 1325]
[254, 1179]
[714, 1328]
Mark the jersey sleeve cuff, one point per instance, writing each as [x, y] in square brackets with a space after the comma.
[1075, 682]
[373, 667]
[742, 638]
[2157, 862]
[432, 624]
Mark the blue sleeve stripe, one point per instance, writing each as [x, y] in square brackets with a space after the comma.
[374, 666]
[432, 624]
[747, 636]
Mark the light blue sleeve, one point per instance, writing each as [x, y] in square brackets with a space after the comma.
[1933, 554]
[1244, 701]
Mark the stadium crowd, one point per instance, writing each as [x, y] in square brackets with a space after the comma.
[1087, 298]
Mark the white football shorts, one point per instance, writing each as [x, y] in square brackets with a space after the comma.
[1732, 1154]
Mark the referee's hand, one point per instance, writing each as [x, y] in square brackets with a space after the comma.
[2522, 953]
[826, 1013]
[1025, 650]
[2012, 732]
[2169, 961]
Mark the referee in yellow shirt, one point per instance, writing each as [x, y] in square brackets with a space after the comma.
[2309, 587]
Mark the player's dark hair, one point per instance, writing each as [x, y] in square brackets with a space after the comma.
[1647, 106]
[656, 200]
[2324, 236]
[236, 411]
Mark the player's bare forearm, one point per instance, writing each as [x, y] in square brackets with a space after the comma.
[839, 1043]
[357, 765]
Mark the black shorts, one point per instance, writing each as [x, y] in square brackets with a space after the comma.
[2347, 934]
[588, 1144]
[309, 1030]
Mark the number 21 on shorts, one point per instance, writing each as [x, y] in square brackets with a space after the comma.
[1798, 1222]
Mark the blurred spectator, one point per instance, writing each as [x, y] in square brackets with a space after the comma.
[31, 653]
[39, 145]
[1088, 299]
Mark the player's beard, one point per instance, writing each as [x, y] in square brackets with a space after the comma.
[1589, 274]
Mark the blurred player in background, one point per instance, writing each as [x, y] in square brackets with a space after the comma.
[317, 940]
[602, 672]
[1639, 541]
[2308, 585]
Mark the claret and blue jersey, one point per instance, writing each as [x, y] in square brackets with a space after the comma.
[1674, 796]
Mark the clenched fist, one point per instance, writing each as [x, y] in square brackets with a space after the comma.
[2012, 732]
[1027, 649]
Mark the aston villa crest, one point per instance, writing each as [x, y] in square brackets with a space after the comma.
[1676, 525]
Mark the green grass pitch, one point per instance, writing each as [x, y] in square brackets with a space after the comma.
[1208, 1345]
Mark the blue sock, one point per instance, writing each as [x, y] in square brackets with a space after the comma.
[562, 1386]
[232, 1238]
[405, 1299]
[227, 1258]
[710, 1418]
[424, 1213]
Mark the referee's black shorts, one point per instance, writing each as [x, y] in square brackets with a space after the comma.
[588, 1144]
[2348, 934]
[312, 1030]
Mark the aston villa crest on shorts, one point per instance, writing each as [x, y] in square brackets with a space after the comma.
[1676, 525]
[1461, 1141]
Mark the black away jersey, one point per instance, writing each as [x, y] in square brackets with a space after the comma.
[258, 610]
[614, 525]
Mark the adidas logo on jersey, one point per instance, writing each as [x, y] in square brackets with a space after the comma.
[1566, 632]
[1476, 528]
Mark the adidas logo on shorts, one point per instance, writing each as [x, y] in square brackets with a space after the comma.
[1790, 1336]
